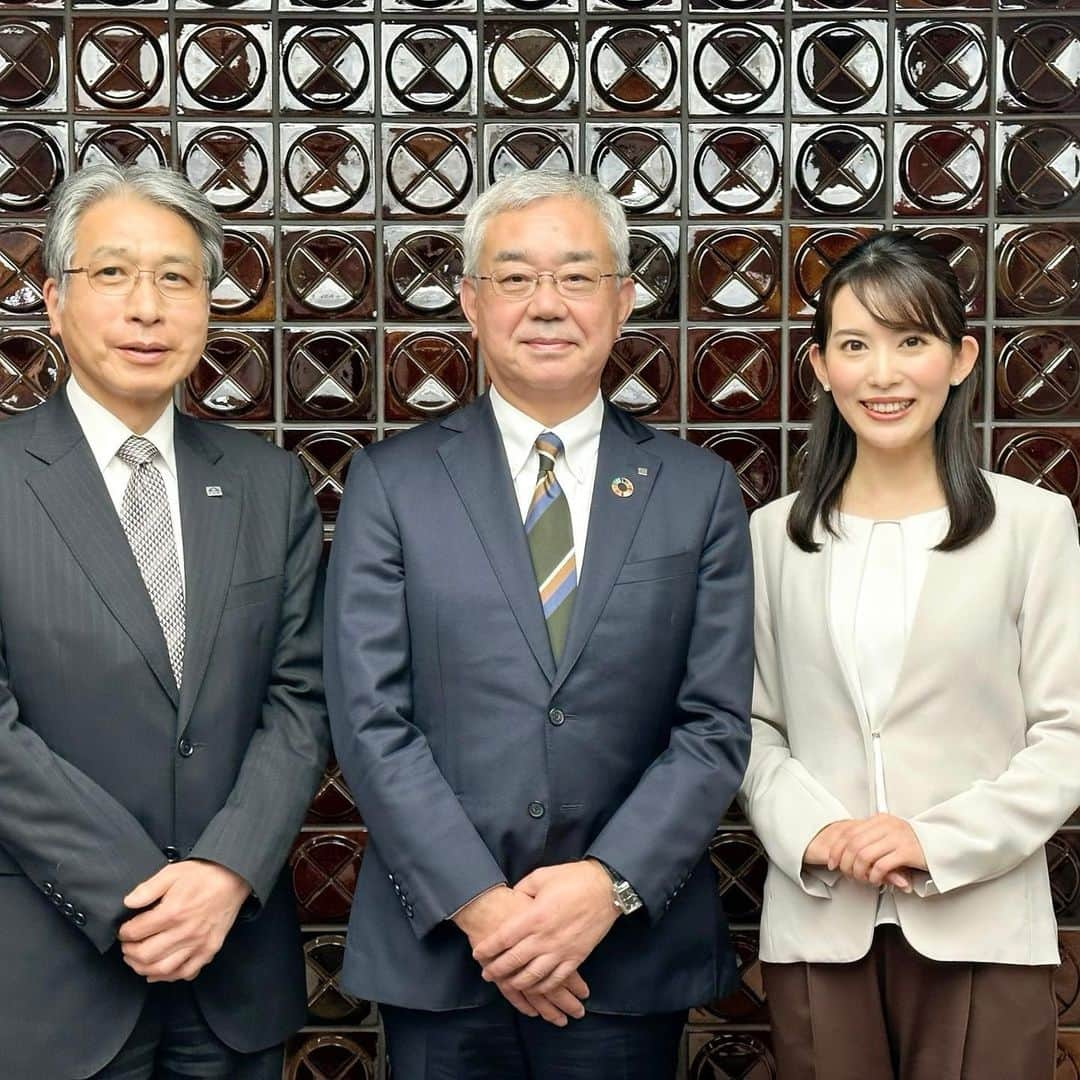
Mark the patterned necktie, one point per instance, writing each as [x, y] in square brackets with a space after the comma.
[144, 513]
[551, 544]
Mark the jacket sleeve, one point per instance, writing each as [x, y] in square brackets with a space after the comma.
[784, 803]
[995, 825]
[658, 834]
[439, 860]
[285, 758]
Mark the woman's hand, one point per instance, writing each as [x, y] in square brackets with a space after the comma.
[876, 848]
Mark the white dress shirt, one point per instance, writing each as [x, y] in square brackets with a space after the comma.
[106, 434]
[876, 576]
[575, 467]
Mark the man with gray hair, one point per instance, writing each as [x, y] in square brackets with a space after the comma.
[162, 725]
[539, 664]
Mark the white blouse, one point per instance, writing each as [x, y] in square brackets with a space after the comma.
[876, 573]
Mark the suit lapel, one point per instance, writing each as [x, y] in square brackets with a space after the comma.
[476, 462]
[613, 521]
[73, 493]
[210, 526]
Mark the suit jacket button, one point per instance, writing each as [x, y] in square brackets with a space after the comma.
[409, 910]
[536, 809]
[184, 748]
[80, 919]
[57, 898]
[171, 853]
[47, 888]
[68, 909]
[557, 717]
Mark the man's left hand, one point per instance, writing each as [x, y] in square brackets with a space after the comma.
[194, 906]
[571, 913]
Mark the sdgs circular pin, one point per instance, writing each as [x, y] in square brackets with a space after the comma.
[622, 487]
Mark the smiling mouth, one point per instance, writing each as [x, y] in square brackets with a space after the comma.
[889, 409]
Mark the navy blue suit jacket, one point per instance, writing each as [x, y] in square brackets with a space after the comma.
[443, 696]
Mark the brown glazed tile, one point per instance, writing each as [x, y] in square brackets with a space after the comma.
[323, 866]
[1063, 861]
[22, 273]
[1067, 979]
[1046, 457]
[633, 68]
[942, 65]
[514, 148]
[745, 1004]
[429, 170]
[1036, 64]
[234, 379]
[740, 863]
[327, 170]
[332, 1056]
[736, 170]
[753, 454]
[328, 273]
[737, 68]
[837, 169]
[940, 168]
[32, 368]
[429, 69]
[642, 373]
[813, 253]
[1038, 270]
[327, 1001]
[423, 267]
[223, 67]
[654, 266]
[326, 67]
[1039, 167]
[796, 458]
[839, 67]
[32, 59]
[1067, 1066]
[734, 374]
[530, 68]
[230, 164]
[1037, 373]
[121, 65]
[33, 160]
[246, 291]
[638, 164]
[333, 802]
[803, 387]
[735, 273]
[965, 248]
[428, 372]
[938, 5]
[626, 6]
[148, 143]
[840, 5]
[330, 374]
[730, 1054]
[325, 455]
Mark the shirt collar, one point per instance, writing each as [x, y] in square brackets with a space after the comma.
[105, 433]
[580, 435]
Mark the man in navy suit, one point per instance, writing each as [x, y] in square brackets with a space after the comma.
[539, 667]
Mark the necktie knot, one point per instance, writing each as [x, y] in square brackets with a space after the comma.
[137, 451]
[549, 446]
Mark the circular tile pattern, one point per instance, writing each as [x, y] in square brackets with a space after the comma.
[531, 68]
[228, 165]
[327, 170]
[22, 273]
[328, 272]
[120, 65]
[640, 372]
[333, 801]
[738, 857]
[423, 272]
[234, 376]
[840, 66]
[735, 271]
[1039, 269]
[941, 168]
[429, 170]
[246, 274]
[329, 372]
[737, 67]
[1038, 373]
[222, 66]
[758, 472]
[746, 1004]
[815, 258]
[528, 148]
[29, 63]
[325, 456]
[637, 166]
[122, 144]
[327, 1001]
[734, 372]
[324, 868]
[330, 1057]
[655, 270]
[839, 170]
[1045, 459]
[634, 68]
[30, 166]
[428, 69]
[964, 255]
[734, 1057]
[1040, 65]
[32, 368]
[736, 170]
[430, 372]
[326, 67]
[944, 65]
[1041, 166]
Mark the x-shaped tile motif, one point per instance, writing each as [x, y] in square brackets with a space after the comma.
[1040, 269]
[637, 166]
[327, 170]
[30, 166]
[942, 168]
[29, 64]
[1042, 166]
[21, 273]
[532, 67]
[734, 1057]
[634, 67]
[329, 373]
[652, 266]
[839, 169]
[328, 271]
[326, 67]
[736, 271]
[640, 372]
[123, 144]
[1040, 64]
[734, 371]
[223, 66]
[120, 64]
[526, 149]
[736, 68]
[333, 1057]
[326, 456]
[30, 369]
[1045, 460]
[429, 69]
[1064, 868]
[736, 170]
[424, 271]
[233, 375]
[944, 65]
[429, 372]
[840, 66]
[429, 171]
[228, 166]
[1048, 367]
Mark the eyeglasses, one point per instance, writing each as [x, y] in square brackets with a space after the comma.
[573, 284]
[118, 277]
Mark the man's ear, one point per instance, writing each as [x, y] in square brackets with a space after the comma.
[470, 301]
[51, 294]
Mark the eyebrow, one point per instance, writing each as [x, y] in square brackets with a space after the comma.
[112, 249]
[855, 333]
[565, 257]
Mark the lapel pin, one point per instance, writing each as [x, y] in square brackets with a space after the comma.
[213, 491]
[642, 471]
[622, 487]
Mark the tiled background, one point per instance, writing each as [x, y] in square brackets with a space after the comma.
[751, 141]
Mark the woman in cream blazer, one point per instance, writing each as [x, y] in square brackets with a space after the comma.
[942, 972]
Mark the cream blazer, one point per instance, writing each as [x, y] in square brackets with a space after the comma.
[980, 747]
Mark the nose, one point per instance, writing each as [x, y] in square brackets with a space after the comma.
[144, 302]
[546, 303]
[883, 371]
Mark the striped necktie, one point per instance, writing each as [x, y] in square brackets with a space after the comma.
[551, 544]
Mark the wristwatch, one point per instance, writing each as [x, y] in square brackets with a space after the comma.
[623, 895]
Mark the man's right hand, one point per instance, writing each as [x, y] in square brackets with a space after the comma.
[482, 917]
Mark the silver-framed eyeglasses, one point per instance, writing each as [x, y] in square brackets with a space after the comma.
[572, 283]
[117, 277]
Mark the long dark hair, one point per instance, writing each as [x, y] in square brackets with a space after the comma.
[905, 284]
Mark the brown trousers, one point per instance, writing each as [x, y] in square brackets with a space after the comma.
[896, 1015]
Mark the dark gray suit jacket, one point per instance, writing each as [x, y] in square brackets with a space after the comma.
[474, 758]
[106, 771]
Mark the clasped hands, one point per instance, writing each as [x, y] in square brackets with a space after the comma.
[877, 850]
[530, 940]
